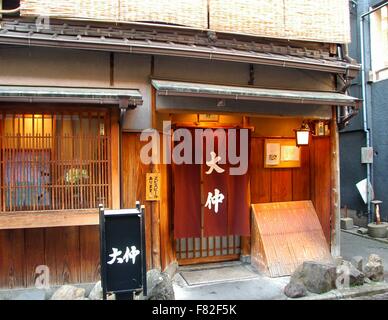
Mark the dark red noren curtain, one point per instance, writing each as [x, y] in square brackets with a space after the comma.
[239, 201]
[232, 217]
[187, 200]
[238, 205]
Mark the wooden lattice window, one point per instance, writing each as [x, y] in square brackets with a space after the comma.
[54, 161]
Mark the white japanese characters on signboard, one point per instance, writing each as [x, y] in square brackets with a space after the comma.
[130, 254]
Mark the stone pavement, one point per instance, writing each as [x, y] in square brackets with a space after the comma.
[265, 288]
[256, 288]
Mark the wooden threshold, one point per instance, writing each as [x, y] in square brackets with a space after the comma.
[184, 262]
[45, 219]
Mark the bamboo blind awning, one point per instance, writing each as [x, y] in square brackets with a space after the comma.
[70, 95]
[172, 88]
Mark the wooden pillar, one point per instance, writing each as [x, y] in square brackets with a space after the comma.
[246, 241]
[155, 206]
[335, 187]
[115, 159]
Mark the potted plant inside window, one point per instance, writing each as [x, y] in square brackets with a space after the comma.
[377, 229]
[75, 178]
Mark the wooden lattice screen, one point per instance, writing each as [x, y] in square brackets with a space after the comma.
[55, 161]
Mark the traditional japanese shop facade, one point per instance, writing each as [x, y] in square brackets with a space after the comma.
[73, 105]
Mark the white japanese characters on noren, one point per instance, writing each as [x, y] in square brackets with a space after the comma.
[129, 254]
[215, 200]
[212, 163]
[218, 196]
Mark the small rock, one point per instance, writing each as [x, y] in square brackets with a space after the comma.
[295, 289]
[159, 286]
[96, 292]
[349, 275]
[357, 262]
[68, 292]
[362, 230]
[346, 223]
[374, 269]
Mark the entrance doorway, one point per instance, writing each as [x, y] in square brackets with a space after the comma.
[203, 234]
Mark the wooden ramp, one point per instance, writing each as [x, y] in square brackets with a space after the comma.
[284, 234]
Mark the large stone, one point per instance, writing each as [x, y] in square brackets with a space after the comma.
[374, 269]
[68, 292]
[317, 277]
[159, 286]
[295, 289]
[96, 292]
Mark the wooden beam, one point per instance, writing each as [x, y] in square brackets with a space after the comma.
[335, 187]
[43, 219]
[115, 163]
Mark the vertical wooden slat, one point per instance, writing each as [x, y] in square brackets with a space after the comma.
[62, 254]
[2, 161]
[301, 177]
[260, 177]
[54, 164]
[281, 185]
[33, 162]
[81, 167]
[89, 253]
[34, 253]
[12, 176]
[12, 253]
[62, 168]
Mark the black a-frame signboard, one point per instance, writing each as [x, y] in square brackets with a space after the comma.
[123, 252]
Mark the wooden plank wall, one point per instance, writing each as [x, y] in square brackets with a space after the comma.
[321, 183]
[158, 214]
[309, 182]
[71, 253]
[134, 180]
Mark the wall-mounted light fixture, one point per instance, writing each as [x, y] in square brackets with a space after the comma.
[302, 135]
